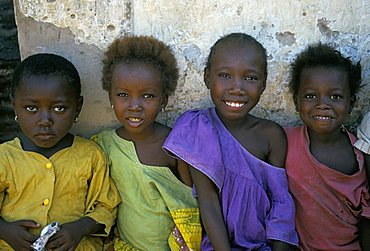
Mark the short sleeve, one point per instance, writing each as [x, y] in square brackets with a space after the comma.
[194, 139]
[102, 198]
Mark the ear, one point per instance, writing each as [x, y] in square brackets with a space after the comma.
[164, 101]
[353, 102]
[110, 98]
[263, 86]
[295, 103]
[80, 101]
[206, 77]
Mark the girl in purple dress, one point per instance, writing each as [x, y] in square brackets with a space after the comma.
[236, 159]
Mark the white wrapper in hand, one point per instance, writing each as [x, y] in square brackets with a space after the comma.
[46, 233]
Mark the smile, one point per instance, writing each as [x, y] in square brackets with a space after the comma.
[235, 104]
[135, 120]
[322, 117]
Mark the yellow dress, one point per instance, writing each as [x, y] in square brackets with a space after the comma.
[71, 184]
[158, 212]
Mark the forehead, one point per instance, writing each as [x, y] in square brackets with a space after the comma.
[237, 52]
[45, 86]
[329, 75]
[137, 72]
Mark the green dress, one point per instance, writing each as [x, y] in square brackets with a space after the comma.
[153, 201]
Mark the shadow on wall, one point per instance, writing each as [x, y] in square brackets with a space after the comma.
[9, 58]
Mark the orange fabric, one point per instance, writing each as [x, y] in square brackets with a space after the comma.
[329, 204]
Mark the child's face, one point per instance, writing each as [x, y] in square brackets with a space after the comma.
[136, 95]
[236, 80]
[323, 99]
[46, 108]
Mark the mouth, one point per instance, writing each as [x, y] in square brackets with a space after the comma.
[235, 104]
[134, 121]
[45, 136]
[317, 117]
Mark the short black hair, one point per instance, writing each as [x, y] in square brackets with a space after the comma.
[142, 49]
[324, 55]
[240, 38]
[46, 64]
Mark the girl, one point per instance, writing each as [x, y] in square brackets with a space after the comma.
[48, 174]
[139, 74]
[326, 173]
[235, 158]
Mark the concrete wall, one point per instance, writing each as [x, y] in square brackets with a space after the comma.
[9, 58]
[81, 30]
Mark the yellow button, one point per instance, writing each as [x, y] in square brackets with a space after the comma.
[48, 165]
[46, 202]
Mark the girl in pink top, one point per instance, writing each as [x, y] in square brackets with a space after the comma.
[326, 173]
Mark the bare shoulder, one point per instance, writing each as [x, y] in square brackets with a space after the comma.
[275, 135]
[162, 131]
[271, 129]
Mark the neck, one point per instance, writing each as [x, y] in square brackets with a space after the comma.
[147, 135]
[28, 145]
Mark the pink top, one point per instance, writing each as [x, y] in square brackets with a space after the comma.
[328, 203]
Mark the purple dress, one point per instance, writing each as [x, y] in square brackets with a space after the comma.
[256, 204]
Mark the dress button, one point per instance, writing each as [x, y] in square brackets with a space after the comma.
[48, 165]
[46, 202]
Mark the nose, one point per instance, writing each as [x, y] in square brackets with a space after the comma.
[323, 103]
[237, 87]
[45, 119]
[135, 104]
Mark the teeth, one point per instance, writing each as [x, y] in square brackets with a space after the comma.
[322, 117]
[234, 104]
[134, 119]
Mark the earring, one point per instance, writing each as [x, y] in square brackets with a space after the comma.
[162, 109]
[16, 118]
[112, 106]
[75, 120]
[343, 128]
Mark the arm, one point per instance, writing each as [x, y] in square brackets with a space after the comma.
[277, 146]
[278, 150]
[16, 234]
[210, 210]
[70, 234]
[184, 173]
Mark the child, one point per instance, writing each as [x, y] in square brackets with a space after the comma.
[236, 158]
[363, 144]
[139, 74]
[326, 173]
[47, 174]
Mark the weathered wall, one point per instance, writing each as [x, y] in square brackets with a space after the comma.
[9, 58]
[81, 30]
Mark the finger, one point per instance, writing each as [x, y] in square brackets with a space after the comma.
[63, 247]
[54, 244]
[29, 224]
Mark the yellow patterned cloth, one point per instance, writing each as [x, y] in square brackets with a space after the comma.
[154, 202]
[73, 183]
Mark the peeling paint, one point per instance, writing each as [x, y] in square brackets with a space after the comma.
[286, 38]
[325, 30]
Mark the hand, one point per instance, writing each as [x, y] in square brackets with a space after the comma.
[66, 239]
[16, 233]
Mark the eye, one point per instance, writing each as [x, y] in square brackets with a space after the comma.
[147, 95]
[336, 97]
[224, 75]
[310, 96]
[31, 108]
[122, 94]
[59, 109]
[250, 78]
